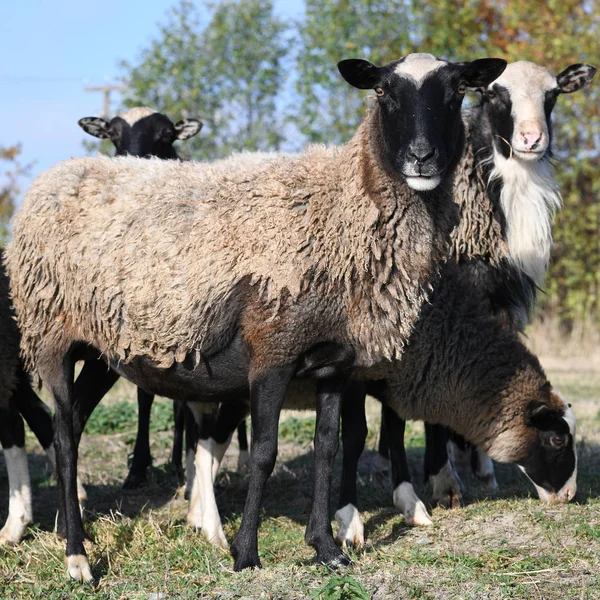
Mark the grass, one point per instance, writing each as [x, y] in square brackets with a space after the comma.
[508, 546]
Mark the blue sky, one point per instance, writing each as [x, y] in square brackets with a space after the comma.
[51, 50]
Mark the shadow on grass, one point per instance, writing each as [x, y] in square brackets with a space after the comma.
[288, 492]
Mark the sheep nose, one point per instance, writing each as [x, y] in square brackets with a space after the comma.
[421, 154]
[531, 137]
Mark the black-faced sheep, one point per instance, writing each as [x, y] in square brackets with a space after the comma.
[142, 131]
[197, 283]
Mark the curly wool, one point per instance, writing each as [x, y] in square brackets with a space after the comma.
[158, 259]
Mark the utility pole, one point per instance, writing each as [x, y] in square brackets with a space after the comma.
[106, 90]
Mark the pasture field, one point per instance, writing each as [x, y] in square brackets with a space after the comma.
[507, 546]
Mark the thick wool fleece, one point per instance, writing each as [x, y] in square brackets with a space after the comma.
[9, 339]
[165, 259]
[479, 232]
[465, 369]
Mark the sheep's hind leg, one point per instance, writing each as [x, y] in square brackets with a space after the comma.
[447, 488]
[12, 437]
[319, 534]
[142, 459]
[354, 435]
[266, 399]
[244, 455]
[60, 384]
[405, 498]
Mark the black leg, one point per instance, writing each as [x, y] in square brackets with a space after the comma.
[445, 483]
[244, 455]
[191, 442]
[142, 458]
[12, 438]
[405, 497]
[93, 383]
[179, 409]
[354, 435]
[34, 411]
[266, 399]
[383, 447]
[319, 534]
[60, 385]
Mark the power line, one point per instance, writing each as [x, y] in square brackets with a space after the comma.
[4, 78]
[106, 90]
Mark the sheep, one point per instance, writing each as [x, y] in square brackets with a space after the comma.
[309, 266]
[142, 131]
[507, 198]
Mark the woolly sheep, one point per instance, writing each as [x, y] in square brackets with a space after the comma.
[311, 265]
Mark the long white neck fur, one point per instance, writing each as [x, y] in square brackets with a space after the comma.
[529, 199]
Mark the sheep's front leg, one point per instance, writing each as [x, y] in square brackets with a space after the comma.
[319, 534]
[12, 436]
[142, 459]
[354, 435]
[405, 497]
[266, 398]
[446, 485]
[60, 384]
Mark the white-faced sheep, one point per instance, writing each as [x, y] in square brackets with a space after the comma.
[507, 199]
[310, 266]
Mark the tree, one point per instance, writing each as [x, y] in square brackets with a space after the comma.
[223, 67]
[11, 171]
[329, 110]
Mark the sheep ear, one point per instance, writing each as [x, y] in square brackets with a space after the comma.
[360, 73]
[539, 415]
[575, 77]
[95, 126]
[187, 128]
[481, 72]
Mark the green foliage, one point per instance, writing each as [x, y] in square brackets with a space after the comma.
[11, 171]
[298, 431]
[341, 587]
[121, 417]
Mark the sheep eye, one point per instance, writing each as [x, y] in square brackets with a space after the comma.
[462, 88]
[491, 94]
[558, 441]
[379, 91]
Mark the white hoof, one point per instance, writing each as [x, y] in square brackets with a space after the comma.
[79, 568]
[12, 532]
[216, 536]
[351, 533]
[447, 487]
[413, 509]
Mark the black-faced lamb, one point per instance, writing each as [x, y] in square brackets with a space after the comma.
[309, 266]
[142, 131]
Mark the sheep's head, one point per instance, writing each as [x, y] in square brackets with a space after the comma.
[543, 445]
[518, 106]
[142, 132]
[419, 98]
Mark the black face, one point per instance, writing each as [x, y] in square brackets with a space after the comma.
[551, 461]
[420, 133]
[150, 136]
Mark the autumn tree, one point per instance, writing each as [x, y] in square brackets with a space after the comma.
[11, 171]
